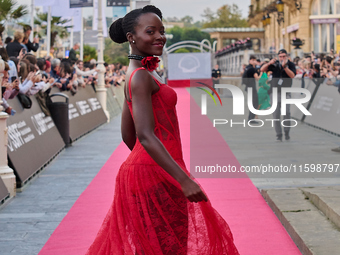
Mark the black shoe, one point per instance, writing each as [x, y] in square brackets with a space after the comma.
[336, 149]
[287, 137]
[279, 138]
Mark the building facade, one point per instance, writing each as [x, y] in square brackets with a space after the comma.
[315, 22]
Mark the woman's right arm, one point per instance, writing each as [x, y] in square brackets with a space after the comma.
[141, 89]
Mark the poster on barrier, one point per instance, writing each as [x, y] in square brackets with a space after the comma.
[85, 111]
[33, 139]
[325, 109]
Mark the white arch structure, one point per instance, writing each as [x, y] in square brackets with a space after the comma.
[190, 44]
[203, 46]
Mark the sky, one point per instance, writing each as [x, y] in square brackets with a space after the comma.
[180, 8]
[194, 8]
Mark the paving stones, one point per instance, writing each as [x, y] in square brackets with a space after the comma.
[28, 220]
[309, 228]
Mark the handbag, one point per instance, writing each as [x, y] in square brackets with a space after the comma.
[25, 101]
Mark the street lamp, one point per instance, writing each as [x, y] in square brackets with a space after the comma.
[279, 7]
[264, 21]
[268, 19]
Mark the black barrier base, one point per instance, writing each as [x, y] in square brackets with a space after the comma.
[33, 138]
[21, 185]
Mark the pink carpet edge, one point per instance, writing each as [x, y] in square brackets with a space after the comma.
[256, 229]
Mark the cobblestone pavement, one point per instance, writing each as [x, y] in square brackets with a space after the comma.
[28, 220]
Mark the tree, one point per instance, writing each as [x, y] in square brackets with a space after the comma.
[89, 53]
[182, 50]
[226, 16]
[172, 19]
[8, 12]
[187, 19]
[116, 53]
[58, 26]
[186, 33]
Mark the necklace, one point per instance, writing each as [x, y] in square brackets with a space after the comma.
[150, 62]
[137, 57]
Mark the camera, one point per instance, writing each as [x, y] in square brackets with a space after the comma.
[277, 64]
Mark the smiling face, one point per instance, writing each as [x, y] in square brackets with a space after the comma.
[149, 36]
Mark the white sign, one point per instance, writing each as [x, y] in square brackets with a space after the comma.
[185, 66]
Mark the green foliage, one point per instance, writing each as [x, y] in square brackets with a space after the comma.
[186, 20]
[115, 52]
[186, 33]
[8, 13]
[121, 60]
[226, 16]
[89, 53]
[57, 26]
[19, 12]
[182, 50]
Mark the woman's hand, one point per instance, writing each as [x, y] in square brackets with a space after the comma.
[192, 191]
[30, 76]
[15, 84]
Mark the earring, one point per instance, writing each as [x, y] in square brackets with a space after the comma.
[133, 42]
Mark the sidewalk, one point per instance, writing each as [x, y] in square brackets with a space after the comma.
[28, 220]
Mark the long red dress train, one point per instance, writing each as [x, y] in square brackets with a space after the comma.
[150, 214]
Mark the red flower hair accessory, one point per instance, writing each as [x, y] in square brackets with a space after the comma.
[151, 63]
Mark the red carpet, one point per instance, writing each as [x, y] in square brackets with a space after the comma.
[256, 229]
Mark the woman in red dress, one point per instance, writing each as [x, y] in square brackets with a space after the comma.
[157, 208]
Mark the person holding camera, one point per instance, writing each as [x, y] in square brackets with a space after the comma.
[31, 46]
[283, 72]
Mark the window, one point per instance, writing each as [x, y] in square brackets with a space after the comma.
[316, 37]
[337, 6]
[324, 37]
[331, 36]
[315, 7]
[327, 7]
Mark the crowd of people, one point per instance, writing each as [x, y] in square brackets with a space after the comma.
[279, 72]
[26, 75]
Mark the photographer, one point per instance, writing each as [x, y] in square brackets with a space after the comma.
[250, 75]
[30, 46]
[283, 72]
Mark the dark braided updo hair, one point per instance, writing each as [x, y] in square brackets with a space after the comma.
[122, 26]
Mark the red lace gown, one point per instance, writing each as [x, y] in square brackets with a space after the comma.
[150, 214]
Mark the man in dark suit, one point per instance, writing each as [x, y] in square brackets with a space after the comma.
[31, 46]
[283, 73]
[14, 48]
[216, 75]
[73, 55]
[251, 74]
